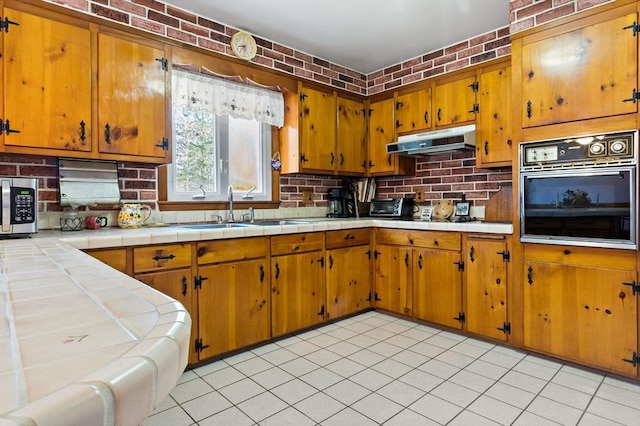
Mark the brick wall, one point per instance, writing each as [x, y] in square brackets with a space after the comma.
[524, 14]
[137, 181]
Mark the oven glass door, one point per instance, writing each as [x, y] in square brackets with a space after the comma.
[589, 207]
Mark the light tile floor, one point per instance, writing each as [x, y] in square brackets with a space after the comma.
[377, 369]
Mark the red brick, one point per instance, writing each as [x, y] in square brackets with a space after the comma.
[482, 38]
[559, 12]
[444, 60]
[456, 47]
[211, 45]
[534, 9]
[76, 4]
[211, 24]
[127, 6]
[586, 4]
[518, 4]
[194, 29]
[182, 14]
[111, 14]
[147, 25]
[457, 65]
[163, 19]
[151, 4]
[282, 49]
[181, 35]
[517, 26]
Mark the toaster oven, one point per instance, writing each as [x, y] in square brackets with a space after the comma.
[18, 205]
[391, 207]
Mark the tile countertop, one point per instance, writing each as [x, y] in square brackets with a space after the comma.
[81, 343]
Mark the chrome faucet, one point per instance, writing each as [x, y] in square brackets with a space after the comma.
[231, 219]
[251, 215]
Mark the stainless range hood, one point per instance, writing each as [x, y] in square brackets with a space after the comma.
[435, 142]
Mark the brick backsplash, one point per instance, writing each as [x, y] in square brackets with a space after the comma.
[525, 14]
[447, 176]
[137, 181]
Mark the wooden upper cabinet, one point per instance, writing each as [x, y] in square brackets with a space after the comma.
[493, 139]
[47, 83]
[413, 111]
[131, 97]
[351, 143]
[317, 131]
[582, 70]
[380, 132]
[455, 101]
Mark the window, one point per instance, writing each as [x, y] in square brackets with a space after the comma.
[221, 137]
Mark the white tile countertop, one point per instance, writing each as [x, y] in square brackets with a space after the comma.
[83, 344]
[80, 343]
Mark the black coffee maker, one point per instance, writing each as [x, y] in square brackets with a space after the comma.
[341, 203]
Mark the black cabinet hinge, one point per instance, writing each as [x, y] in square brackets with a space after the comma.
[474, 86]
[198, 281]
[635, 28]
[376, 253]
[4, 24]
[398, 105]
[321, 262]
[506, 328]
[475, 109]
[635, 287]
[303, 159]
[199, 346]
[321, 313]
[164, 63]
[376, 298]
[635, 359]
[398, 124]
[303, 96]
[164, 144]
[460, 265]
[5, 127]
[506, 256]
[635, 97]
[460, 317]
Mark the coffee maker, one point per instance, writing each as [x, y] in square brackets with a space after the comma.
[341, 203]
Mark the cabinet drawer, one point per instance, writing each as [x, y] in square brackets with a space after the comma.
[348, 238]
[581, 256]
[230, 250]
[296, 243]
[425, 239]
[165, 256]
[116, 258]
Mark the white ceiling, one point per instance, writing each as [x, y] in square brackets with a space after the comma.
[364, 35]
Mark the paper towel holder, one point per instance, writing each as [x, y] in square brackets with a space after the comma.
[88, 182]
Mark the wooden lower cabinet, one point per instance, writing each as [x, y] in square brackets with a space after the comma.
[580, 310]
[437, 283]
[233, 294]
[116, 258]
[233, 306]
[393, 279]
[297, 282]
[348, 272]
[486, 260]
[177, 284]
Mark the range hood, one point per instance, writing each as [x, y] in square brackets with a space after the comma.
[435, 142]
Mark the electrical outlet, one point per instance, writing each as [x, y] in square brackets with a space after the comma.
[307, 197]
[419, 196]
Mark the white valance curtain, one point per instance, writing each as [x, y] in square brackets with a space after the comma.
[223, 97]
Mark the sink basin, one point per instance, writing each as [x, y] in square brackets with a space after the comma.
[276, 223]
[214, 225]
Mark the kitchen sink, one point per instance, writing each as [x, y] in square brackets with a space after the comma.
[214, 225]
[277, 223]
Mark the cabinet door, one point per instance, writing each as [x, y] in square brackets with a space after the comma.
[582, 313]
[47, 83]
[116, 258]
[454, 102]
[177, 284]
[348, 287]
[317, 130]
[486, 290]
[413, 111]
[233, 306]
[437, 281]
[493, 145]
[351, 137]
[131, 97]
[581, 74]
[393, 285]
[297, 292]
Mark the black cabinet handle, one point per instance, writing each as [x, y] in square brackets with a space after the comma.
[82, 131]
[332, 158]
[330, 261]
[486, 147]
[530, 275]
[406, 259]
[341, 159]
[261, 273]
[107, 133]
[277, 271]
[420, 261]
[426, 117]
[472, 252]
[349, 237]
[156, 257]
[529, 114]
[439, 114]
[184, 285]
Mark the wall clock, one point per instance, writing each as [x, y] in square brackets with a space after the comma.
[243, 45]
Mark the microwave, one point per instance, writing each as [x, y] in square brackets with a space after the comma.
[391, 207]
[18, 205]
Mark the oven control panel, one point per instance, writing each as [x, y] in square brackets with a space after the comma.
[600, 149]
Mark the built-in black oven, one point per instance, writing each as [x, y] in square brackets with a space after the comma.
[580, 191]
